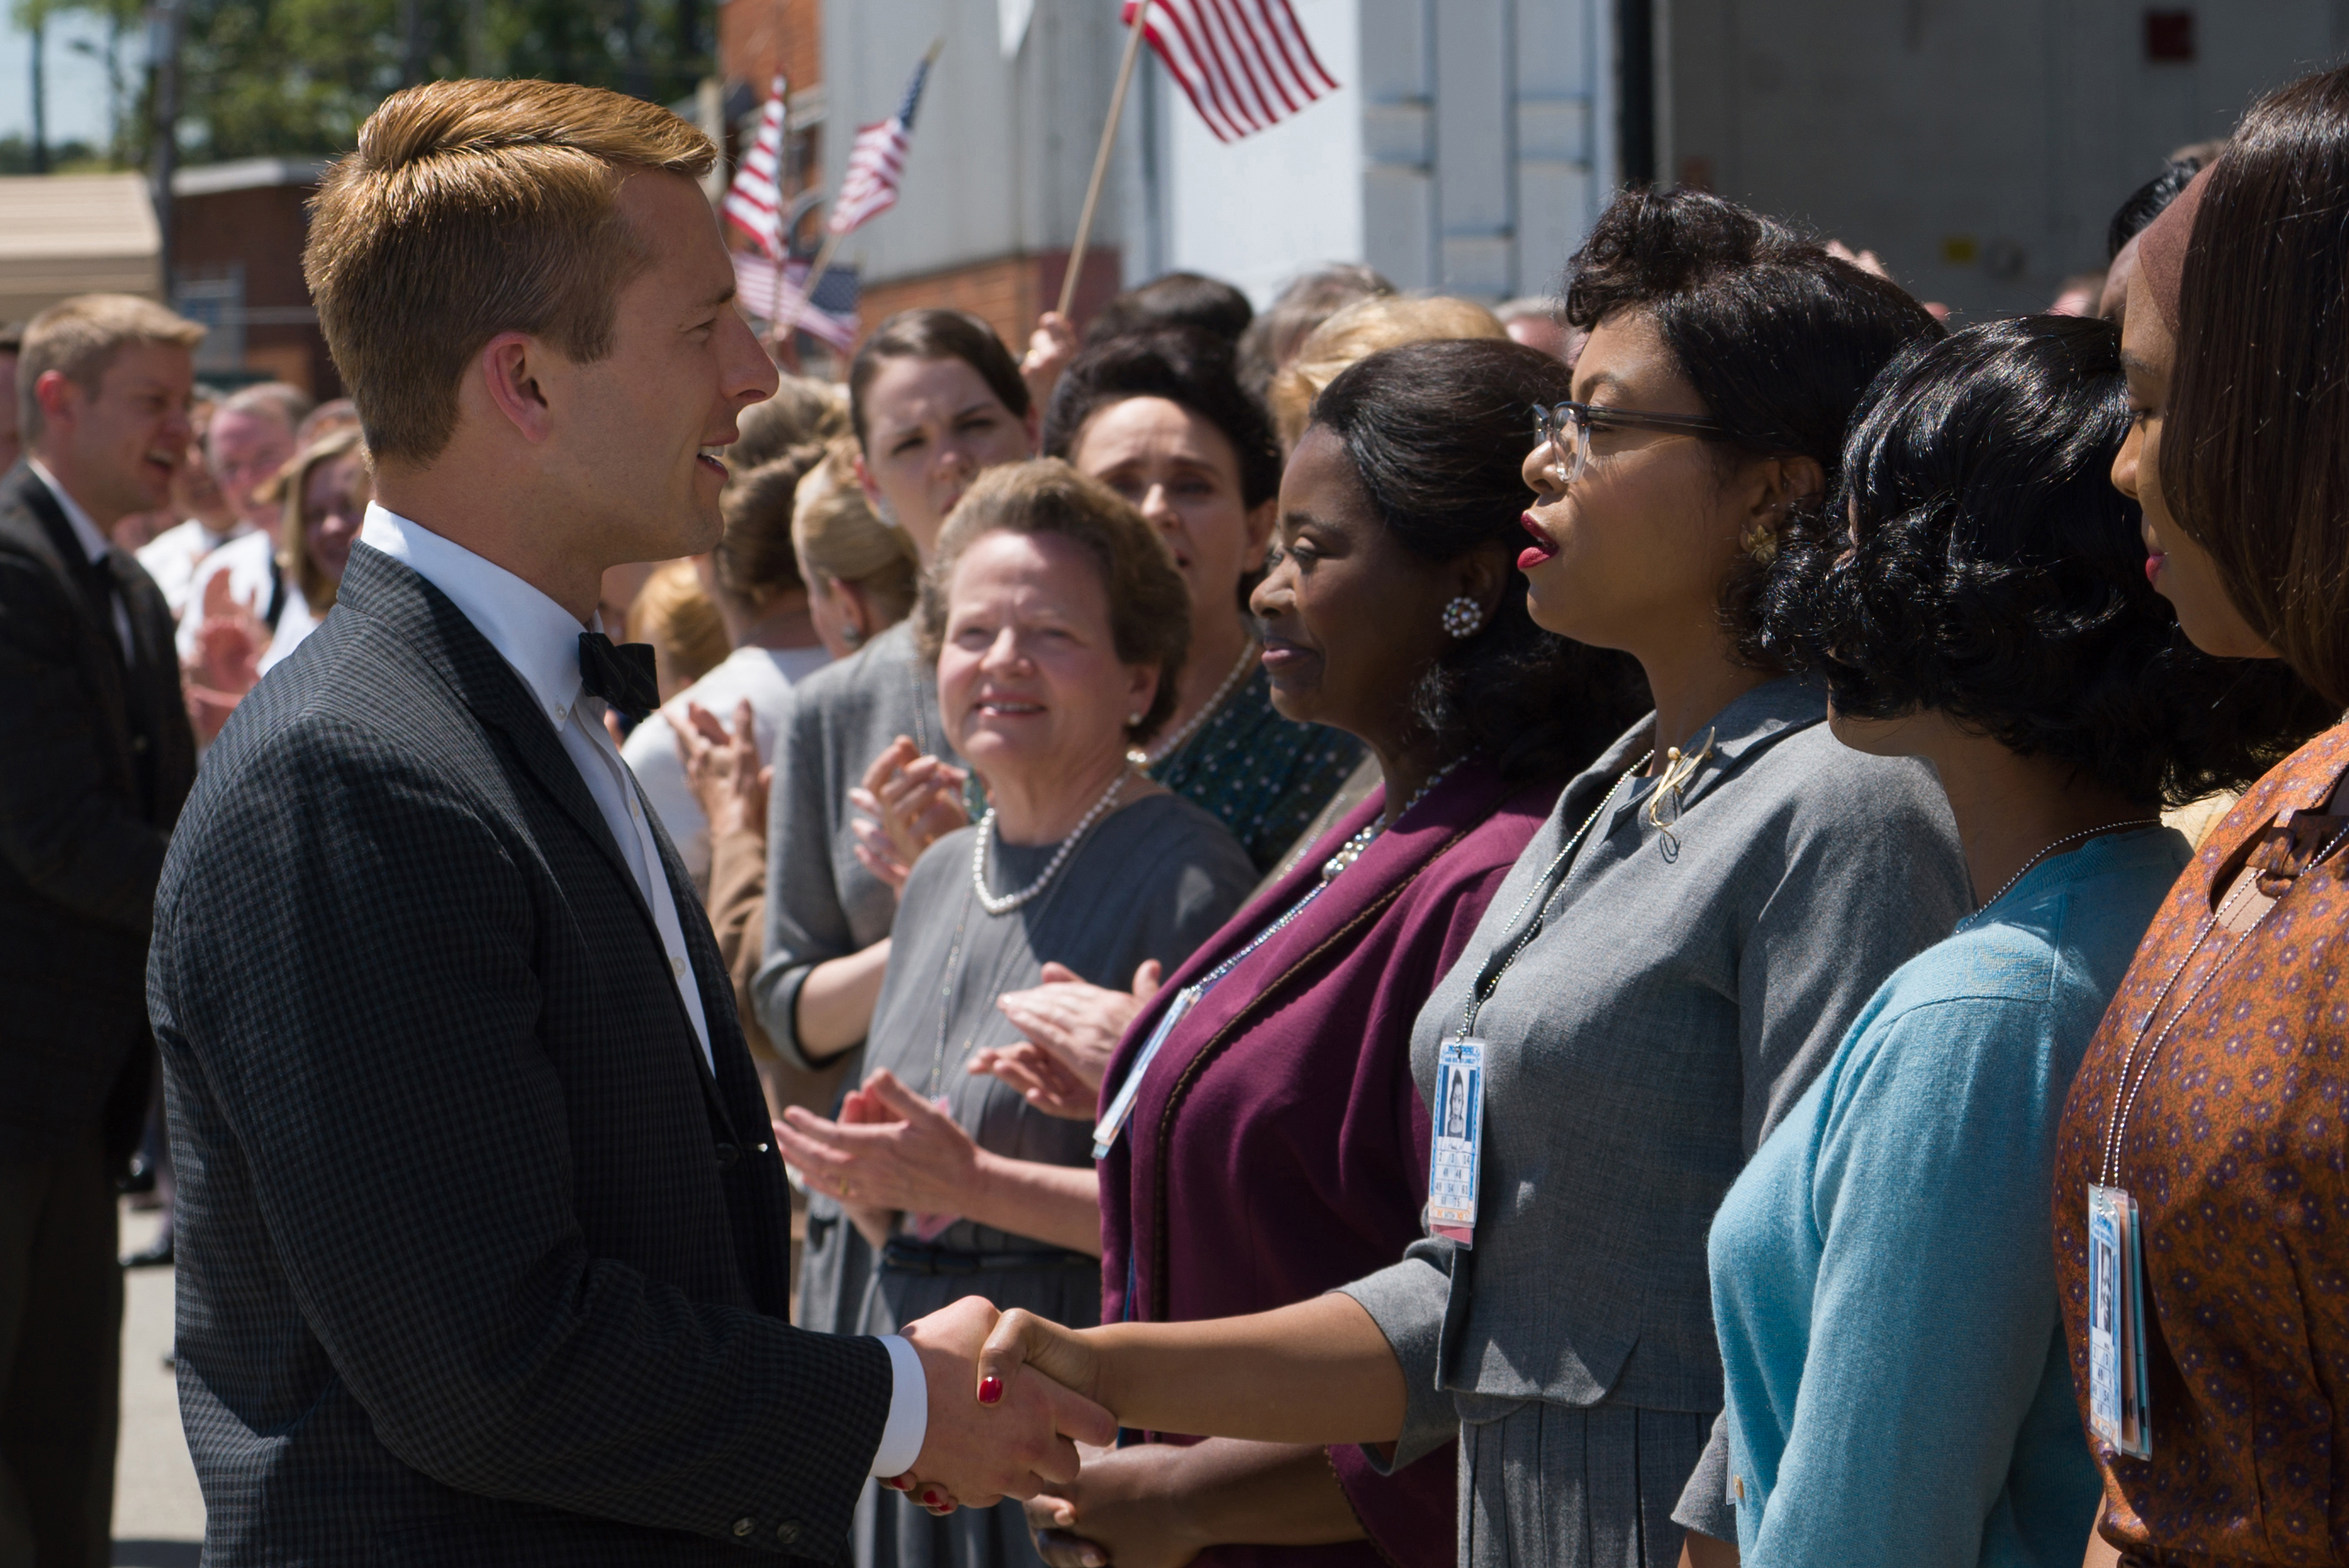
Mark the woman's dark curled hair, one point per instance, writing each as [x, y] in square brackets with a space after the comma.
[1779, 339]
[1978, 562]
[1436, 434]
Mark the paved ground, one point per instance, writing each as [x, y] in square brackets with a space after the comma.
[158, 1513]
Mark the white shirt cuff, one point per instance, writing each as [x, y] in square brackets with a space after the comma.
[909, 1409]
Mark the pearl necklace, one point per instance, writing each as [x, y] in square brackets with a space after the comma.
[1168, 745]
[1351, 849]
[2066, 838]
[1010, 901]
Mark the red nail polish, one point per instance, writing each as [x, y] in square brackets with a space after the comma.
[930, 1497]
[990, 1390]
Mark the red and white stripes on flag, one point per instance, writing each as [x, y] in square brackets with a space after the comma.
[876, 163]
[1244, 63]
[754, 201]
[778, 295]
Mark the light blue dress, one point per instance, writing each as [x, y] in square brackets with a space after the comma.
[1883, 1271]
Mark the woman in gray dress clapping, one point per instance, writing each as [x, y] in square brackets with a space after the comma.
[1672, 960]
[1058, 626]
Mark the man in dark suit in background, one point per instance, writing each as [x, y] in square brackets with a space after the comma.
[95, 758]
[483, 1240]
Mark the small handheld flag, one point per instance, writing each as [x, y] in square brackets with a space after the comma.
[1244, 63]
[876, 160]
[754, 201]
[831, 317]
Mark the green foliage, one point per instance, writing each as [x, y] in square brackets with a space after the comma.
[64, 157]
[296, 76]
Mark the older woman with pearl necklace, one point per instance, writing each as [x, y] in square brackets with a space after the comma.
[1058, 626]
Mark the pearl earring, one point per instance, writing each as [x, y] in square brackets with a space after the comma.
[1463, 616]
[1132, 720]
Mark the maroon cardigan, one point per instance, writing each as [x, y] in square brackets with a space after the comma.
[1279, 1147]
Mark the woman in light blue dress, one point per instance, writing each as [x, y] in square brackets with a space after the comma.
[1883, 1272]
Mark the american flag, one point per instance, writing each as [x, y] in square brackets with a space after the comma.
[1244, 63]
[754, 201]
[876, 161]
[780, 295]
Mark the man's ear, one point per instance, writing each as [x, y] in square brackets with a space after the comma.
[508, 367]
[60, 397]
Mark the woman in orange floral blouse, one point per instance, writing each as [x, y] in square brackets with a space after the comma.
[2216, 1093]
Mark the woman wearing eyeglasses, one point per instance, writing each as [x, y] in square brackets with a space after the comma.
[1670, 962]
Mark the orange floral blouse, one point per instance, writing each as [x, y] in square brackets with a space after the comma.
[2237, 1152]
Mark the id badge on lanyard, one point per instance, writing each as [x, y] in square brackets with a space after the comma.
[1454, 1160]
[1114, 1119]
[2117, 1404]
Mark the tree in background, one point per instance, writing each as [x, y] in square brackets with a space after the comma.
[32, 19]
[119, 18]
[293, 78]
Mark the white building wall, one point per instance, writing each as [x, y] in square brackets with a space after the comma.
[1462, 149]
[1258, 211]
[1002, 148]
[1980, 147]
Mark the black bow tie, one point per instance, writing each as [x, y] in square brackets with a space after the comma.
[619, 673]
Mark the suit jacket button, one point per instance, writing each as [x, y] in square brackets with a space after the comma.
[727, 1155]
[788, 1532]
[138, 743]
[744, 1526]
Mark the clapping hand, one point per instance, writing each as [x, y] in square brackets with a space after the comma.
[231, 637]
[722, 769]
[1072, 1029]
[890, 1150]
[1015, 1438]
[908, 801]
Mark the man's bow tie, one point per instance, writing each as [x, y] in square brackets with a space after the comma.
[619, 673]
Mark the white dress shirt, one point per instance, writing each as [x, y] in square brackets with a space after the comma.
[94, 544]
[540, 639]
[172, 556]
[761, 676]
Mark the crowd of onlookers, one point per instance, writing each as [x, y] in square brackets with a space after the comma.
[1618, 930]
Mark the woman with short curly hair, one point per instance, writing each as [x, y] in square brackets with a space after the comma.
[1979, 599]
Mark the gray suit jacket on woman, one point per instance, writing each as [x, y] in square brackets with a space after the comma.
[1685, 991]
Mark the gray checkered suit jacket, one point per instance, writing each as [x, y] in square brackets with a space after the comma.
[477, 1263]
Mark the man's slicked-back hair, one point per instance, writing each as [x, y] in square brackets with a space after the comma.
[1778, 338]
[473, 208]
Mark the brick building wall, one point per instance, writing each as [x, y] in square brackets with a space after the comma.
[756, 38]
[258, 232]
[1008, 294]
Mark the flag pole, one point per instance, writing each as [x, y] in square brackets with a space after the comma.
[831, 239]
[782, 240]
[1101, 159]
[815, 272]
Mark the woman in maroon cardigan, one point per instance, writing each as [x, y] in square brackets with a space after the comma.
[1272, 1146]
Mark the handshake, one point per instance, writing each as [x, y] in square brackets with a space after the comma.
[1010, 1396]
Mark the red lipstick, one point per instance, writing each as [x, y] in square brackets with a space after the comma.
[1543, 547]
